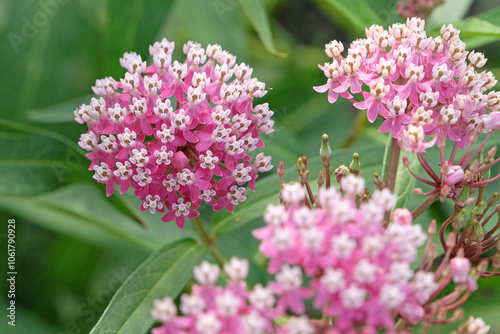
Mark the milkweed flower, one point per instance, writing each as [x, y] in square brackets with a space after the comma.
[340, 258]
[409, 76]
[427, 92]
[178, 133]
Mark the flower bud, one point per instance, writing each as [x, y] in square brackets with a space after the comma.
[355, 165]
[325, 152]
[321, 178]
[460, 268]
[454, 175]
[493, 199]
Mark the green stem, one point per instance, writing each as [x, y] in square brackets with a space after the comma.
[424, 205]
[392, 169]
[209, 241]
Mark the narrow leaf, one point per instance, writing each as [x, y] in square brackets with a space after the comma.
[449, 11]
[58, 113]
[353, 14]
[477, 27]
[256, 13]
[36, 160]
[82, 211]
[405, 182]
[164, 273]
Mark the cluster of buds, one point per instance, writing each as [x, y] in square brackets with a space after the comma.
[178, 133]
[476, 234]
[428, 91]
[418, 8]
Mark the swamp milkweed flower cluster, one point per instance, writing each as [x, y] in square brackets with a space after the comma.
[428, 91]
[358, 272]
[178, 133]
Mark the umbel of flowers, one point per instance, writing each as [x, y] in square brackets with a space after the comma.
[341, 256]
[178, 133]
[428, 91]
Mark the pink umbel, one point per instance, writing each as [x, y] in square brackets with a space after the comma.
[339, 256]
[427, 92]
[178, 133]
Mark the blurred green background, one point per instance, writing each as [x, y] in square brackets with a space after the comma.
[75, 246]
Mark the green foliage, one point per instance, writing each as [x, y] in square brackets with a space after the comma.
[163, 274]
[256, 13]
[354, 15]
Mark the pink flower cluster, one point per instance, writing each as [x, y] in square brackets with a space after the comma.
[420, 86]
[178, 133]
[359, 270]
[356, 270]
[420, 8]
[212, 309]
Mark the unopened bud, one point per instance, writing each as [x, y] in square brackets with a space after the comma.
[418, 191]
[300, 164]
[492, 152]
[485, 174]
[281, 169]
[483, 265]
[325, 152]
[474, 166]
[493, 199]
[470, 201]
[450, 242]
[304, 177]
[406, 162]
[458, 313]
[463, 195]
[355, 165]
[459, 220]
[431, 230]
[473, 137]
[496, 262]
[474, 212]
[480, 155]
[321, 178]
[379, 182]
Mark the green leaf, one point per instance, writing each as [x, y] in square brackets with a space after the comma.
[131, 27]
[354, 15]
[81, 211]
[449, 11]
[256, 13]
[405, 182]
[164, 273]
[59, 113]
[223, 26]
[477, 27]
[36, 160]
[27, 322]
